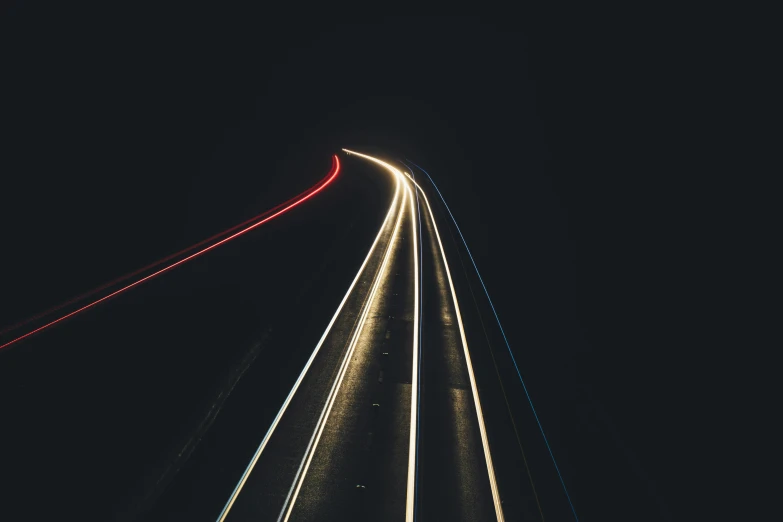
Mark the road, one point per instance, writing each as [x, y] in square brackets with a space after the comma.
[378, 427]
[385, 403]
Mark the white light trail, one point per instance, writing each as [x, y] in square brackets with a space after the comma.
[411, 497]
[411, 481]
[276, 421]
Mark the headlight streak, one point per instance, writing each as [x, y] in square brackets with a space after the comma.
[410, 506]
[284, 407]
[285, 208]
[474, 389]
[508, 346]
[285, 513]
[421, 329]
[411, 482]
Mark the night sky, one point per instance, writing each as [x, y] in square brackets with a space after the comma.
[556, 138]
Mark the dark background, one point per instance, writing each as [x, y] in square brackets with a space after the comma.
[563, 142]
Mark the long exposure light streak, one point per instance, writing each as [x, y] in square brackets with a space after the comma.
[508, 346]
[421, 329]
[301, 199]
[411, 480]
[191, 248]
[227, 508]
[410, 504]
[473, 387]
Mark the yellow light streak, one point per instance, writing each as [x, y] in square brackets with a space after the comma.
[411, 481]
[409, 504]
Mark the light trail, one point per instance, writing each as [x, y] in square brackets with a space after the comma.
[285, 208]
[421, 329]
[285, 513]
[508, 345]
[412, 446]
[473, 387]
[410, 505]
[227, 508]
[159, 262]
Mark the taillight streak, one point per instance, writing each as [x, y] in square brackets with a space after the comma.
[269, 215]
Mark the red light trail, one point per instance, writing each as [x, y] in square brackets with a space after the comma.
[257, 221]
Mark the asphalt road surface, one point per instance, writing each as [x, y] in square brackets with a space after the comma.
[351, 376]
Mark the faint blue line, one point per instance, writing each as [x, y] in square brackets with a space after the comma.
[540, 427]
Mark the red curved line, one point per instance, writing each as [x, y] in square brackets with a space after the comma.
[165, 259]
[269, 215]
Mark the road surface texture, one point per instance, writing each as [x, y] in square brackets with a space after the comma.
[351, 375]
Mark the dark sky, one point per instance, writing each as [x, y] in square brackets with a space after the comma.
[557, 138]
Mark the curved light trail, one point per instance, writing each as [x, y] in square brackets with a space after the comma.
[473, 387]
[326, 180]
[411, 480]
[421, 329]
[414, 432]
[243, 480]
[288, 507]
[508, 346]
[275, 213]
